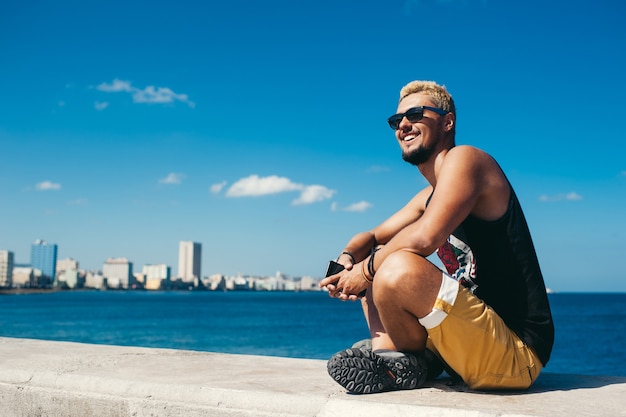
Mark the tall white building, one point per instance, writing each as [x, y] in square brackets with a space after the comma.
[118, 272]
[6, 268]
[189, 261]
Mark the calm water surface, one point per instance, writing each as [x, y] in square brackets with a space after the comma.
[590, 328]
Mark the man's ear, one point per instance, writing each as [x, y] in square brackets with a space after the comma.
[448, 122]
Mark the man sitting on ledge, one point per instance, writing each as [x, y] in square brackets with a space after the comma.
[488, 317]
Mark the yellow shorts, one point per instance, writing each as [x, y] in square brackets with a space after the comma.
[474, 341]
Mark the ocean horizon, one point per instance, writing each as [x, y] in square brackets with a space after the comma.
[589, 340]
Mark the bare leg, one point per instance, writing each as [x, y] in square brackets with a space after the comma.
[380, 338]
[405, 289]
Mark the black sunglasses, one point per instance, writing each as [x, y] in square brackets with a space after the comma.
[413, 115]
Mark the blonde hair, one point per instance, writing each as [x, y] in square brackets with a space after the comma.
[437, 93]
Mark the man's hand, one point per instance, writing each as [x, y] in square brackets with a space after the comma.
[347, 284]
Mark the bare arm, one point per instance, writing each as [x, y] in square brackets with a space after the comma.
[361, 244]
[469, 182]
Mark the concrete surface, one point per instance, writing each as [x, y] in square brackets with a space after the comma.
[42, 378]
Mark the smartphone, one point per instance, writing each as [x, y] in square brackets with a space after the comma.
[333, 268]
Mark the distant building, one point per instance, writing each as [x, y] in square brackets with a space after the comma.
[68, 264]
[140, 278]
[215, 282]
[189, 261]
[155, 275]
[309, 284]
[67, 273]
[25, 277]
[68, 278]
[43, 256]
[94, 280]
[118, 272]
[6, 268]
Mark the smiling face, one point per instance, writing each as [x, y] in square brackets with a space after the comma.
[418, 141]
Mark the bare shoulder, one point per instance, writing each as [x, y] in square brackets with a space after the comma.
[471, 153]
[475, 160]
[491, 185]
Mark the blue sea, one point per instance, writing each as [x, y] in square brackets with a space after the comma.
[590, 328]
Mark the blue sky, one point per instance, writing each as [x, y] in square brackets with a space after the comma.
[258, 128]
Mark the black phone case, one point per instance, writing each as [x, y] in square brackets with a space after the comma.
[333, 268]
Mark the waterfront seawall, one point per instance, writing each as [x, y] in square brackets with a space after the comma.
[43, 378]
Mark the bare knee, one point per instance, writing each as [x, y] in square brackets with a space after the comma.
[399, 266]
[392, 271]
[407, 277]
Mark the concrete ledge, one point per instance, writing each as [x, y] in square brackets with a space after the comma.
[42, 378]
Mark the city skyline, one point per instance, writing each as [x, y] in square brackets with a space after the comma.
[120, 274]
[259, 128]
[188, 252]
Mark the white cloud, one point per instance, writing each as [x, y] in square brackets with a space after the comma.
[160, 95]
[313, 194]
[172, 178]
[116, 86]
[255, 186]
[359, 207]
[101, 105]
[571, 196]
[48, 185]
[217, 188]
[150, 94]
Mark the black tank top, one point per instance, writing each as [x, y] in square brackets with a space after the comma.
[497, 261]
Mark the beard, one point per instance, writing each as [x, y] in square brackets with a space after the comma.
[418, 156]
